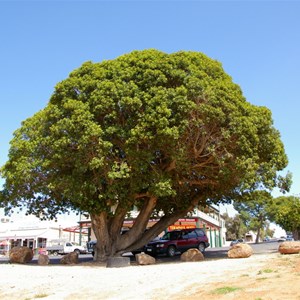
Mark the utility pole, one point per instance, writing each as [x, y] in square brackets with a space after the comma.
[80, 229]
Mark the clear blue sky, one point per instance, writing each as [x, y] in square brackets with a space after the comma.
[258, 43]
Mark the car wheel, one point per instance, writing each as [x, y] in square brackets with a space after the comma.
[201, 247]
[77, 251]
[171, 251]
[55, 253]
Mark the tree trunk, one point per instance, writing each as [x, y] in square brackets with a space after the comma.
[296, 234]
[107, 229]
[257, 236]
[260, 226]
[100, 228]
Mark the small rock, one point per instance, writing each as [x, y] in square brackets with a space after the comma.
[69, 259]
[144, 259]
[289, 247]
[20, 255]
[43, 260]
[240, 251]
[192, 255]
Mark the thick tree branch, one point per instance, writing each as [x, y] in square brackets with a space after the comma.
[161, 225]
[139, 225]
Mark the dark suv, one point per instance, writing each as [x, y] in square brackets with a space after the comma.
[178, 241]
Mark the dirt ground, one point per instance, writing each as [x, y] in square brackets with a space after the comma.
[261, 276]
[278, 277]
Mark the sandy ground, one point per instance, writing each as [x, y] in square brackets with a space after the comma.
[267, 276]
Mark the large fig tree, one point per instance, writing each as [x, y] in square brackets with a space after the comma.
[160, 132]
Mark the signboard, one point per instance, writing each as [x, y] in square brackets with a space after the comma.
[187, 220]
[128, 222]
[179, 227]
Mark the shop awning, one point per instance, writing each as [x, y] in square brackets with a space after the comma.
[76, 229]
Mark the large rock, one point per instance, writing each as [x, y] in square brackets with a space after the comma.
[69, 259]
[291, 247]
[144, 259]
[240, 251]
[43, 260]
[20, 255]
[192, 255]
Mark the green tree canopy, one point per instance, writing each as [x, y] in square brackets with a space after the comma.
[285, 211]
[253, 210]
[162, 132]
[235, 228]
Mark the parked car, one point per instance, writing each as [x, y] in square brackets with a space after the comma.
[178, 241]
[238, 241]
[90, 246]
[281, 239]
[56, 247]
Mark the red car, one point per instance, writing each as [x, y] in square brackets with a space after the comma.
[178, 241]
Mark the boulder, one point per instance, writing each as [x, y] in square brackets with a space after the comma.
[290, 247]
[192, 255]
[70, 259]
[144, 259]
[43, 260]
[20, 255]
[240, 251]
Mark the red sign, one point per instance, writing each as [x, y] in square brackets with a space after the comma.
[187, 220]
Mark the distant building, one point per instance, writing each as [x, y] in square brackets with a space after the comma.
[250, 237]
[33, 233]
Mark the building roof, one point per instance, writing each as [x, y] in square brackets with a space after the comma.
[23, 234]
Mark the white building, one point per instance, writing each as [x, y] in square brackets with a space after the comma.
[34, 233]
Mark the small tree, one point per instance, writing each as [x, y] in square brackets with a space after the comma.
[161, 132]
[253, 211]
[235, 228]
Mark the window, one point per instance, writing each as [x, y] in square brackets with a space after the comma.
[200, 232]
[175, 235]
[185, 235]
[192, 234]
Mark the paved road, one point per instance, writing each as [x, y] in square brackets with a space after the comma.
[210, 253]
[219, 253]
[260, 248]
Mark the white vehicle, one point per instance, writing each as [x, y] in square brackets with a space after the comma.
[56, 247]
[281, 239]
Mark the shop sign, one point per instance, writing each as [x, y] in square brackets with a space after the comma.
[187, 220]
[180, 227]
